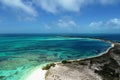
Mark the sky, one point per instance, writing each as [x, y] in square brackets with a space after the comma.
[60, 16]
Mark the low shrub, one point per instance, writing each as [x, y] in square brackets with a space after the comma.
[65, 61]
[48, 66]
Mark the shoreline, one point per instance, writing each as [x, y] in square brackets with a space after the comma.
[103, 67]
[35, 73]
[100, 54]
[38, 71]
[91, 66]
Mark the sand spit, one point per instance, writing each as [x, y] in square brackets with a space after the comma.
[103, 67]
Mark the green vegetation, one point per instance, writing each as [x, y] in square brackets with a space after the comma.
[48, 66]
[65, 61]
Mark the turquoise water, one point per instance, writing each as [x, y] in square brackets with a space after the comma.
[18, 54]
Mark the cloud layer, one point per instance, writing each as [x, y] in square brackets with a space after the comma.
[52, 6]
[19, 5]
[55, 6]
[66, 23]
[110, 25]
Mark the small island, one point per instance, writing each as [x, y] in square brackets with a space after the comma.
[103, 67]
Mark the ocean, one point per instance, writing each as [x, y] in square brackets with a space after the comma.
[21, 52]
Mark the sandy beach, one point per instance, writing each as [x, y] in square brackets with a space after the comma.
[35, 73]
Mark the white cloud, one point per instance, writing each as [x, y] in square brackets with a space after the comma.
[66, 23]
[97, 24]
[20, 5]
[114, 22]
[63, 24]
[47, 5]
[110, 25]
[55, 6]
[109, 1]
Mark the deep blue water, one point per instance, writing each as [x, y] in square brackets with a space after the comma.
[112, 37]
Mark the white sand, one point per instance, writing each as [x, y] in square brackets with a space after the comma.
[35, 74]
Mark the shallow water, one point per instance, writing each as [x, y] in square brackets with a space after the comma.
[18, 54]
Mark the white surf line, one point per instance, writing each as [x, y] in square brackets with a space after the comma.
[35, 74]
